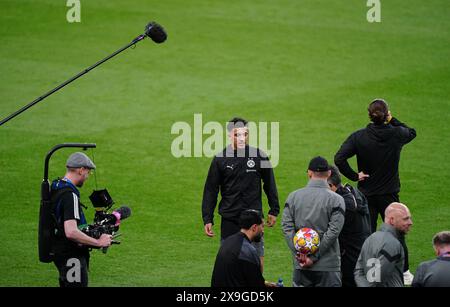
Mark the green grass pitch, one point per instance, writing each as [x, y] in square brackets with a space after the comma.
[312, 66]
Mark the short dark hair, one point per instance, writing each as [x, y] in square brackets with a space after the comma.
[335, 177]
[441, 238]
[321, 174]
[249, 218]
[378, 111]
[236, 122]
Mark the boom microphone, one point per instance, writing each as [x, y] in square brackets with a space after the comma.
[152, 30]
[155, 32]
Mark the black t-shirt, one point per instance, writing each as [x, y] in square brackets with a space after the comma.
[237, 264]
[67, 206]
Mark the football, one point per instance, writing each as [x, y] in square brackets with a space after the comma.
[306, 241]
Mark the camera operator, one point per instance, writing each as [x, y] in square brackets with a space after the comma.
[70, 245]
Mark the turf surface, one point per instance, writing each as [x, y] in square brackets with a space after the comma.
[312, 66]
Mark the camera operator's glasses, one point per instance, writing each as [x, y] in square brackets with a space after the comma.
[90, 170]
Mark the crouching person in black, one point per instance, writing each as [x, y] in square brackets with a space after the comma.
[71, 246]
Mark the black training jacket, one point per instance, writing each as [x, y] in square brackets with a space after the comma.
[238, 176]
[356, 227]
[377, 149]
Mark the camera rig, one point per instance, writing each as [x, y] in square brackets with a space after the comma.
[104, 222]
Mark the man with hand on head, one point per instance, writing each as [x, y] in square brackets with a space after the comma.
[377, 148]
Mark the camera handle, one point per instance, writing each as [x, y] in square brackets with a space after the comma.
[105, 249]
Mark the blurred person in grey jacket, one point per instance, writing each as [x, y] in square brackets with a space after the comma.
[436, 273]
[382, 257]
[319, 208]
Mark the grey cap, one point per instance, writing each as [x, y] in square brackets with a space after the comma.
[79, 159]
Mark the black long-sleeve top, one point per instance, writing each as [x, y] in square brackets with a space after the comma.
[238, 176]
[377, 149]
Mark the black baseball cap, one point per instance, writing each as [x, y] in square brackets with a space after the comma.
[319, 164]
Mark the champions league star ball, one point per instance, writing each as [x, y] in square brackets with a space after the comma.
[306, 241]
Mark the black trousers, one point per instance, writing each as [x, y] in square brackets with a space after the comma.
[377, 206]
[228, 227]
[73, 270]
[350, 250]
[347, 275]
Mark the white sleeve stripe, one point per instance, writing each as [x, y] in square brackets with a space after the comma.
[76, 212]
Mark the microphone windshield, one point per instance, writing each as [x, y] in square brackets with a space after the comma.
[124, 212]
[155, 32]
